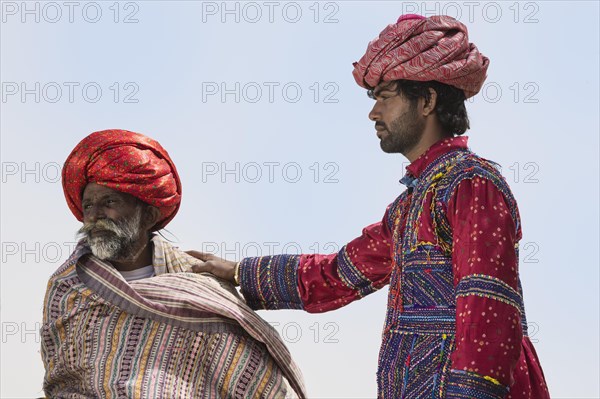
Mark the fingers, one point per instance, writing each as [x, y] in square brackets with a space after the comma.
[202, 268]
[200, 255]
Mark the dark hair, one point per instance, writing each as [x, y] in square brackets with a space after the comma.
[450, 104]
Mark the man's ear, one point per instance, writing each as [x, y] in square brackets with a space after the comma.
[151, 216]
[429, 105]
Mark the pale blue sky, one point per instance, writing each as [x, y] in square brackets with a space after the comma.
[537, 116]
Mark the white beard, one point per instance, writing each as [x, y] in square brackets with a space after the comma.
[117, 245]
[105, 248]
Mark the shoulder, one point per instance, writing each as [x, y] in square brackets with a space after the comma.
[477, 177]
[66, 271]
[474, 169]
[178, 264]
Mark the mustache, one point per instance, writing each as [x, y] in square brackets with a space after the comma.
[126, 229]
[380, 124]
[101, 225]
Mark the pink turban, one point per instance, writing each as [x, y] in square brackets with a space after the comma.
[127, 162]
[423, 49]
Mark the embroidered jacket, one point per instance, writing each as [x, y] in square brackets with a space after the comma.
[448, 248]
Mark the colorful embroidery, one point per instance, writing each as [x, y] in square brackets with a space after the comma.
[468, 166]
[273, 279]
[489, 287]
[466, 385]
[423, 339]
[352, 276]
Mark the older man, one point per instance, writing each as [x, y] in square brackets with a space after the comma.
[123, 318]
[447, 246]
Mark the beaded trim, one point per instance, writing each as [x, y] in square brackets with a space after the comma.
[468, 385]
[427, 183]
[489, 287]
[351, 276]
[272, 280]
[468, 167]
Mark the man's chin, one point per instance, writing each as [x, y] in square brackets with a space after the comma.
[103, 254]
[387, 148]
[102, 249]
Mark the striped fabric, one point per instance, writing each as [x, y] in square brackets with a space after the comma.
[176, 335]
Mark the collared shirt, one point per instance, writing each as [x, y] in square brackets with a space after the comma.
[439, 148]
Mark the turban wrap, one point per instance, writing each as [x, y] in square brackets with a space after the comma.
[127, 162]
[423, 49]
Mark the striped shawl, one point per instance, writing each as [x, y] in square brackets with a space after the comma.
[176, 335]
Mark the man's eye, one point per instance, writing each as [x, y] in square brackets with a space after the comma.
[87, 206]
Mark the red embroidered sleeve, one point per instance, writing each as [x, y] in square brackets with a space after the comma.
[319, 283]
[485, 263]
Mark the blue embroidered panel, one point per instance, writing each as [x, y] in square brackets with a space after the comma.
[273, 280]
[465, 385]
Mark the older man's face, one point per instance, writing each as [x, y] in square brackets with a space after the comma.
[111, 222]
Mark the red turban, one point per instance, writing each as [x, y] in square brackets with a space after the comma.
[127, 162]
[423, 49]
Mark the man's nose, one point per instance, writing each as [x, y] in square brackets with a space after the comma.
[375, 115]
[94, 213]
